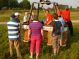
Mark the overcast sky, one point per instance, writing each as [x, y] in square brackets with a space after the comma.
[73, 3]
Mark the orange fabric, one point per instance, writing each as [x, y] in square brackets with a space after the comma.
[49, 18]
[66, 15]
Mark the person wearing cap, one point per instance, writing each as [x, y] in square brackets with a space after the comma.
[13, 35]
[35, 36]
[17, 14]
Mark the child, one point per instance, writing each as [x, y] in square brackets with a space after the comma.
[56, 34]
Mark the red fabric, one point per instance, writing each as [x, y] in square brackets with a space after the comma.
[66, 15]
[49, 18]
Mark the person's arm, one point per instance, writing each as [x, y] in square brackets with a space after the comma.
[42, 32]
[29, 34]
[24, 19]
[58, 11]
[56, 5]
[18, 26]
[53, 26]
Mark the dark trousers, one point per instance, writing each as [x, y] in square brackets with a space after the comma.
[70, 27]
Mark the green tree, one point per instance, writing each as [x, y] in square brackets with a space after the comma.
[25, 4]
[12, 3]
[3, 3]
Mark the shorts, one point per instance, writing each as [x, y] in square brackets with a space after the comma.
[56, 41]
[65, 29]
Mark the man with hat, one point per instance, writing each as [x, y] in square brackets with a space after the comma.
[13, 34]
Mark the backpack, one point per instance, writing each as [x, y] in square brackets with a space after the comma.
[57, 27]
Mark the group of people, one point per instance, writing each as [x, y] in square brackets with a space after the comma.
[60, 22]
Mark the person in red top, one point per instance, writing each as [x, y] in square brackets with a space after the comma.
[49, 17]
[66, 16]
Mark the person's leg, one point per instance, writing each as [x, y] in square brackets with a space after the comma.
[65, 36]
[16, 44]
[70, 28]
[54, 45]
[32, 46]
[38, 44]
[61, 40]
[11, 44]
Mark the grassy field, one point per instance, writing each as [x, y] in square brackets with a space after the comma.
[5, 15]
[69, 52]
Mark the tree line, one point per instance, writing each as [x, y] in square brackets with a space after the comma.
[9, 4]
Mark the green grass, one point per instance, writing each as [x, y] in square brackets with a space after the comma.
[69, 52]
[5, 15]
[75, 15]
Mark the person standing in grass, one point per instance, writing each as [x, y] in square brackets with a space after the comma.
[14, 34]
[35, 36]
[62, 29]
[66, 16]
[56, 34]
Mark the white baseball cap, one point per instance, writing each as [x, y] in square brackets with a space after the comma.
[16, 14]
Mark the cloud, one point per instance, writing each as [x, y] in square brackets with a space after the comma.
[73, 3]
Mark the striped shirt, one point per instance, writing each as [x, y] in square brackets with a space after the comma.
[13, 29]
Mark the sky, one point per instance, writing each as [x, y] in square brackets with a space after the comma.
[73, 3]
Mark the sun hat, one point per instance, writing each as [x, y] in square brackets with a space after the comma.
[16, 13]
